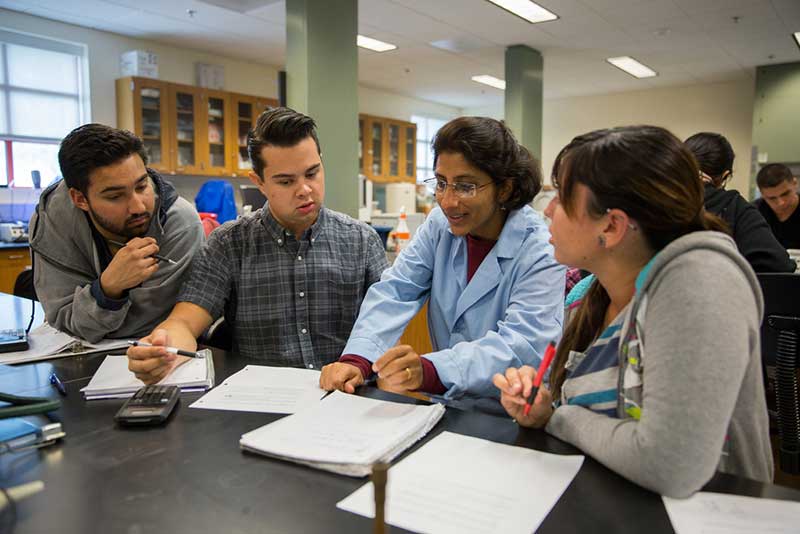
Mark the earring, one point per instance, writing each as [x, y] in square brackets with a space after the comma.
[601, 240]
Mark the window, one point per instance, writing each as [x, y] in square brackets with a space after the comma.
[426, 129]
[43, 96]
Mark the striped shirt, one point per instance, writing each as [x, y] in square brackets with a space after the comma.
[592, 375]
[288, 302]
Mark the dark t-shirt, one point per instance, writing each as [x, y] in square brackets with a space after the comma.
[788, 231]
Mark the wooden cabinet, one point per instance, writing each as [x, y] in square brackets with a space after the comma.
[387, 149]
[187, 129]
[245, 109]
[142, 108]
[12, 262]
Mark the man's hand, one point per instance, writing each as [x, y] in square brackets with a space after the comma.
[399, 369]
[151, 364]
[132, 264]
[515, 387]
[341, 376]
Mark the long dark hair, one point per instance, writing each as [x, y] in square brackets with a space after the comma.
[489, 145]
[649, 174]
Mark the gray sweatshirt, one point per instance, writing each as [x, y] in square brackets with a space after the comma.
[700, 389]
[67, 263]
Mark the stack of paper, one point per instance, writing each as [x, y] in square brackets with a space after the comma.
[460, 484]
[113, 380]
[258, 388]
[344, 433]
[45, 342]
[717, 513]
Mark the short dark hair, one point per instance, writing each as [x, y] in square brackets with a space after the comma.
[91, 146]
[713, 153]
[283, 127]
[773, 174]
[489, 145]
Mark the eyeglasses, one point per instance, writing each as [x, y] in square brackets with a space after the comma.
[459, 189]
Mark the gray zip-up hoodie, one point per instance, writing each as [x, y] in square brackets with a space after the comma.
[695, 379]
[66, 263]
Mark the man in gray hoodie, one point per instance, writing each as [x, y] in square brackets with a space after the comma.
[112, 242]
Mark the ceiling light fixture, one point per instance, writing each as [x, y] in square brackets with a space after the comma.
[632, 67]
[797, 38]
[491, 81]
[374, 44]
[525, 9]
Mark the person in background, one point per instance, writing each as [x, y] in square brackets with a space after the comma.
[658, 373]
[749, 230]
[94, 238]
[779, 203]
[482, 262]
[289, 278]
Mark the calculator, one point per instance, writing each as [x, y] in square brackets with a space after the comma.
[13, 340]
[150, 405]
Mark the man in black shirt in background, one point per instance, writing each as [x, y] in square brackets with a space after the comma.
[779, 203]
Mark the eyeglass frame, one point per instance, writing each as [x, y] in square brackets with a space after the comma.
[471, 193]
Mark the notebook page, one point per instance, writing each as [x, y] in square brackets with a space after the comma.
[460, 484]
[344, 429]
[258, 388]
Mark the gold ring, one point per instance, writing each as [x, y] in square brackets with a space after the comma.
[408, 372]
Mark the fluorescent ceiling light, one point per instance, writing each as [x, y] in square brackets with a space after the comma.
[797, 38]
[632, 67]
[490, 80]
[526, 9]
[374, 44]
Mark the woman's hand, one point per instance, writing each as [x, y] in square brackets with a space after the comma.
[399, 370]
[515, 387]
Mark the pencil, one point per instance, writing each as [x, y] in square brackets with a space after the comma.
[156, 256]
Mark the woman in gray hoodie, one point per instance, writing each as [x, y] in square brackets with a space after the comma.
[658, 373]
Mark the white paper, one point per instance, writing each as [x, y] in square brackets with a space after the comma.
[45, 342]
[258, 388]
[113, 379]
[460, 484]
[345, 433]
[718, 513]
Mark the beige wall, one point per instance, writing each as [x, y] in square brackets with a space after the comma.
[177, 65]
[726, 108]
[174, 64]
[384, 104]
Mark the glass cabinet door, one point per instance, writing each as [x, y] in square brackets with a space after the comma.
[245, 111]
[361, 146]
[376, 150]
[394, 150]
[410, 153]
[215, 117]
[185, 113]
[150, 122]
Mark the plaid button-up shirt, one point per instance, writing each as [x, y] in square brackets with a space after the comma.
[288, 302]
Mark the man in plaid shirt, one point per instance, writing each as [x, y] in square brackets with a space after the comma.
[289, 279]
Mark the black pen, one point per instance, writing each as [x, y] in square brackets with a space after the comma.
[156, 256]
[172, 350]
[58, 384]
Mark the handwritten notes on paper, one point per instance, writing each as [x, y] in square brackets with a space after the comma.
[718, 513]
[460, 484]
[258, 388]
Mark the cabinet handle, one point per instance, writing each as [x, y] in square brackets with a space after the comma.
[16, 256]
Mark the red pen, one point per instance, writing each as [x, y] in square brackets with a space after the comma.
[537, 381]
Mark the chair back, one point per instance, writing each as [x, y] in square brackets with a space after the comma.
[780, 346]
[23, 285]
[252, 196]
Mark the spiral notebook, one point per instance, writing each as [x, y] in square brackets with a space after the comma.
[344, 433]
[113, 380]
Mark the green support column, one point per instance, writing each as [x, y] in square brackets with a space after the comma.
[322, 82]
[523, 104]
